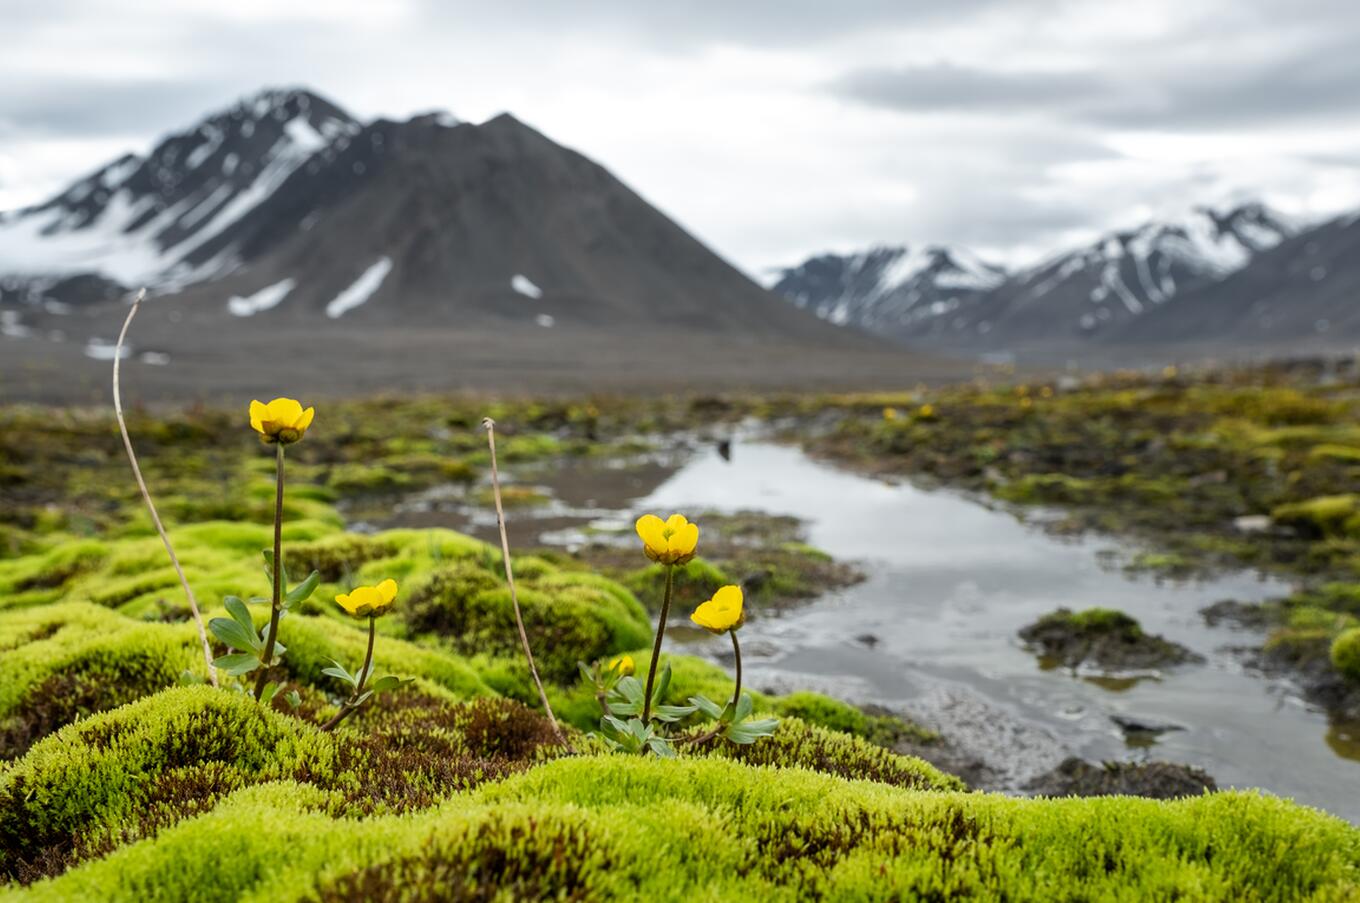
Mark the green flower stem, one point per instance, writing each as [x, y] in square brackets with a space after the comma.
[656, 646]
[736, 650]
[736, 696]
[349, 706]
[273, 634]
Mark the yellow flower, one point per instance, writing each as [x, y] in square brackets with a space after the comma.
[282, 420]
[622, 665]
[369, 601]
[890, 413]
[670, 541]
[926, 410]
[721, 613]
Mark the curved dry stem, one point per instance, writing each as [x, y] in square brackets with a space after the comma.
[510, 578]
[146, 495]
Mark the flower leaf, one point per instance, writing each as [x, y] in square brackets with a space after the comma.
[707, 706]
[234, 635]
[239, 612]
[338, 671]
[390, 682]
[237, 663]
[663, 684]
[303, 590]
[672, 712]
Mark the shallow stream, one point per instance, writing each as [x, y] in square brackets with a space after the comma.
[932, 630]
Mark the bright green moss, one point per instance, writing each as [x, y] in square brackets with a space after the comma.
[1345, 653]
[78, 640]
[313, 642]
[832, 714]
[1348, 454]
[569, 617]
[695, 583]
[1324, 516]
[94, 773]
[620, 828]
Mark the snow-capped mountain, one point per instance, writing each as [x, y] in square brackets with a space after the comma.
[1093, 291]
[168, 218]
[887, 289]
[1304, 288]
[285, 209]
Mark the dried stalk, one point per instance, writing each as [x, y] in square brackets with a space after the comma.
[510, 577]
[146, 495]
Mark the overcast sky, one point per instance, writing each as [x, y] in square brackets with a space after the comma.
[770, 128]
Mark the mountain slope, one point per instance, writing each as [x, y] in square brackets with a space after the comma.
[148, 219]
[1305, 288]
[1093, 292]
[285, 206]
[423, 221]
[887, 290]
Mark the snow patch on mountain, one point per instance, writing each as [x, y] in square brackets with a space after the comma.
[360, 290]
[265, 299]
[525, 286]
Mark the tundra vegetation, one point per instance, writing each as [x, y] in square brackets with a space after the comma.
[377, 732]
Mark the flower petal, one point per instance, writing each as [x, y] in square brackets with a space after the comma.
[305, 420]
[258, 411]
[652, 531]
[285, 411]
[387, 590]
[684, 540]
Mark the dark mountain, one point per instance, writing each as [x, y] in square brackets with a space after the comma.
[1305, 288]
[1115, 288]
[888, 290]
[284, 207]
[147, 220]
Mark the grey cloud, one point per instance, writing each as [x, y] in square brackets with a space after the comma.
[1312, 82]
[945, 87]
[755, 23]
[91, 107]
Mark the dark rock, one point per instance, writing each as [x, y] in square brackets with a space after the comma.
[867, 639]
[1102, 638]
[1155, 780]
[1237, 614]
[1307, 663]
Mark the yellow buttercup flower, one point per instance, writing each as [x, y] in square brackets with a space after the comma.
[890, 413]
[721, 613]
[670, 541]
[282, 420]
[369, 601]
[622, 665]
[926, 411]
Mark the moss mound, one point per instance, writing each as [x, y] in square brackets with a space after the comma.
[1102, 638]
[102, 779]
[615, 828]
[1345, 654]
